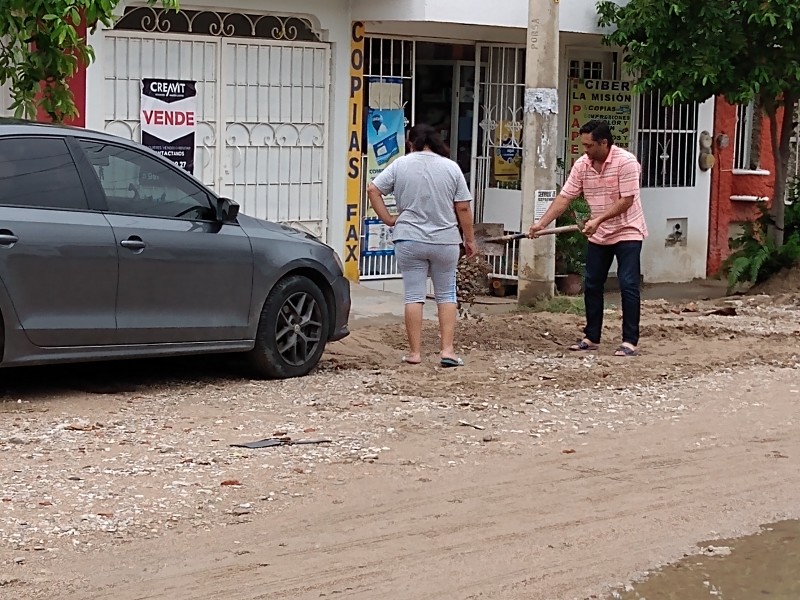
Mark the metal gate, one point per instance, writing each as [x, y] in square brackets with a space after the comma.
[262, 102]
[394, 60]
[498, 153]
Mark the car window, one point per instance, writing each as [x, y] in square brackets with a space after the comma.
[138, 184]
[39, 172]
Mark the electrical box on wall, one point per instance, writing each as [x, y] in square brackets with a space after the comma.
[676, 233]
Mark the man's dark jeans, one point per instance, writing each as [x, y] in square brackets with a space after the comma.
[598, 263]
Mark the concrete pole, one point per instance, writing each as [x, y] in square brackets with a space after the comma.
[537, 257]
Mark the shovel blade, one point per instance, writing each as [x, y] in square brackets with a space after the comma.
[485, 231]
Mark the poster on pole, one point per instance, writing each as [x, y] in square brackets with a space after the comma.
[168, 119]
[603, 99]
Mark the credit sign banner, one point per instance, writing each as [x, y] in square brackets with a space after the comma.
[169, 113]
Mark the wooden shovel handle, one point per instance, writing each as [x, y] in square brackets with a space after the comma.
[563, 229]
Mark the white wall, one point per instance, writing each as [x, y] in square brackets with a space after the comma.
[575, 15]
[661, 263]
[333, 16]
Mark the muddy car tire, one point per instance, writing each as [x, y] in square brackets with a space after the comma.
[292, 330]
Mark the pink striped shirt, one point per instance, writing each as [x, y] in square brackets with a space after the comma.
[618, 178]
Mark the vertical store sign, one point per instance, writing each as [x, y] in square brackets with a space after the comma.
[355, 124]
[169, 109]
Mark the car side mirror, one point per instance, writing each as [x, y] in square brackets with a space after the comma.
[227, 210]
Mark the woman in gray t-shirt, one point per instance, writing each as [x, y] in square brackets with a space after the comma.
[432, 201]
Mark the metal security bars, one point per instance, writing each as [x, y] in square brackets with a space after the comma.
[498, 148]
[666, 142]
[743, 138]
[386, 60]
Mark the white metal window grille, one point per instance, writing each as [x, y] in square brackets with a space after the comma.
[743, 138]
[666, 142]
[574, 69]
[275, 108]
[393, 59]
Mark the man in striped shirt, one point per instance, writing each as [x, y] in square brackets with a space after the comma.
[608, 177]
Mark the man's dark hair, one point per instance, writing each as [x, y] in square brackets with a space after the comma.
[600, 131]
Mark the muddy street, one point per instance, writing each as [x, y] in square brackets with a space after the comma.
[531, 472]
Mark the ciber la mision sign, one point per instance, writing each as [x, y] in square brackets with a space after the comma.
[169, 108]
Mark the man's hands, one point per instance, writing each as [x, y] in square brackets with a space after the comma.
[591, 226]
[535, 229]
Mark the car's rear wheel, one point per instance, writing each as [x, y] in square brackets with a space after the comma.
[292, 330]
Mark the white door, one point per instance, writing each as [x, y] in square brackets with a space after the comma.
[275, 108]
[262, 126]
[676, 193]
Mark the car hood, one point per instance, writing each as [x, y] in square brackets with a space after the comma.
[261, 228]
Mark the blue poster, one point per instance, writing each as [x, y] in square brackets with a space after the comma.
[385, 138]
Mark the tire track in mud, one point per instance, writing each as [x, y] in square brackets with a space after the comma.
[507, 533]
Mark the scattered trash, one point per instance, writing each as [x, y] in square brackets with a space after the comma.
[231, 482]
[716, 551]
[278, 441]
[568, 451]
[468, 424]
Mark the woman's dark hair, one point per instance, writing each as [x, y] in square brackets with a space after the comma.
[422, 135]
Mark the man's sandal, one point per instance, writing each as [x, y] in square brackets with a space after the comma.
[583, 346]
[626, 351]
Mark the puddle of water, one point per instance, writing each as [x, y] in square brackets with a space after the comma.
[765, 565]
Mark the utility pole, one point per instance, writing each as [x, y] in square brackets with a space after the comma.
[540, 144]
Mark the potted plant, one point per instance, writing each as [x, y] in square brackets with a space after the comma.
[571, 251]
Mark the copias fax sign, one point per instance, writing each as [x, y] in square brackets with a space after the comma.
[169, 119]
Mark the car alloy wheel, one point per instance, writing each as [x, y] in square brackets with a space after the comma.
[293, 329]
[298, 330]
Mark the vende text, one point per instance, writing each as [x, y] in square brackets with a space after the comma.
[168, 117]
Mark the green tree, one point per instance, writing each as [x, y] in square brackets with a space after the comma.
[693, 49]
[40, 49]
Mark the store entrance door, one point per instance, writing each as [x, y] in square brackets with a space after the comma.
[409, 82]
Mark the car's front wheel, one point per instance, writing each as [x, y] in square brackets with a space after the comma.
[292, 330]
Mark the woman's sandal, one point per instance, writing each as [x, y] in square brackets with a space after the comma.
[452, 362]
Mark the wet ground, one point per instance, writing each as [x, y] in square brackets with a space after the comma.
[765, 565]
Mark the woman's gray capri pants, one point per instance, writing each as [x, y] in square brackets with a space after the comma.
[417, 260]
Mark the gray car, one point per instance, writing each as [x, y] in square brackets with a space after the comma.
[108, 250]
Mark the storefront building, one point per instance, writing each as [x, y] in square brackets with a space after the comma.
[300, 103]
[463, 72]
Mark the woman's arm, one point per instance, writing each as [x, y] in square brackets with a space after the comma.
[379, 206]
[464, 216]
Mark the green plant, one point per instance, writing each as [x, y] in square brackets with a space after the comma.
[565, 305]
[40, 50]
[571, 247]
[755, 256]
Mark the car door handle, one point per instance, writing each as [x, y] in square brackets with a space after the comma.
[133, 243]
[7, 238]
